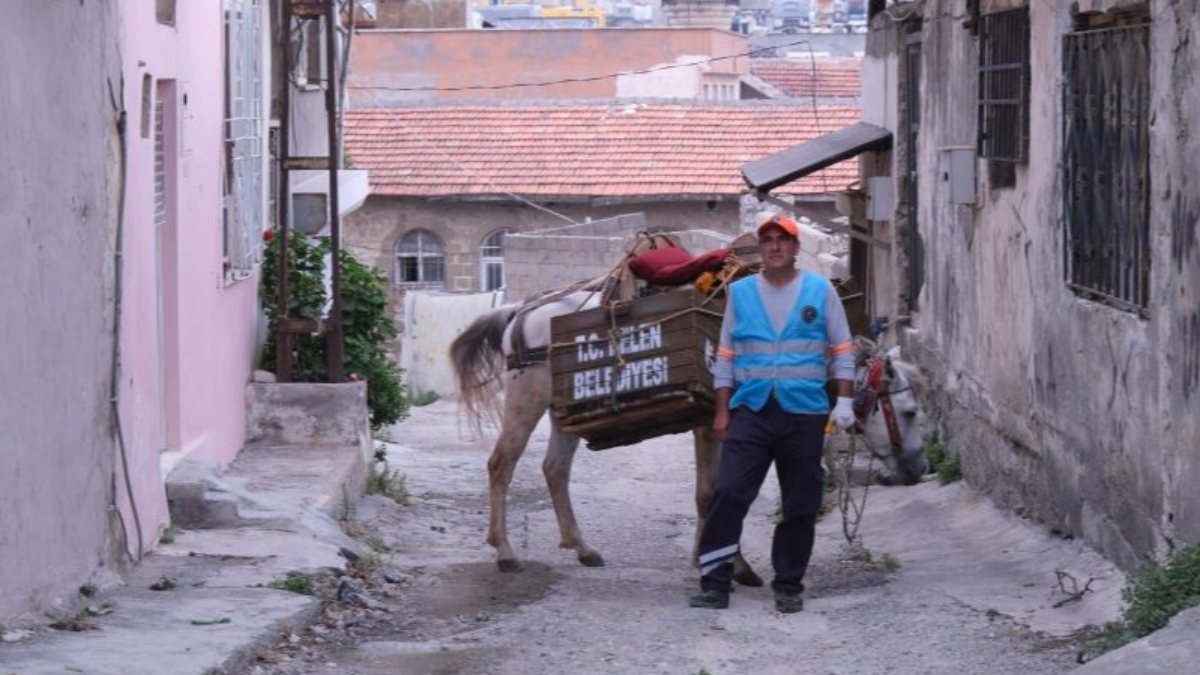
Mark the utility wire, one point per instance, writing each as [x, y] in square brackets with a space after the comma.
[592, 78]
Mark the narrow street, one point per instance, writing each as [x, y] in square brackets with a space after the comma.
[974, 590]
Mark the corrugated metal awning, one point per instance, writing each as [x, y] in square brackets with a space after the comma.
[798, 161]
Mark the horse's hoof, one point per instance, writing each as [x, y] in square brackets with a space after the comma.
[508, 565]
[747, 577]
[592, 559]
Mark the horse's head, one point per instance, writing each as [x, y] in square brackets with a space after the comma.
[894, 423]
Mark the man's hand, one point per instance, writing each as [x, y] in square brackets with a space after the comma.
[843, 413]
[720, 424]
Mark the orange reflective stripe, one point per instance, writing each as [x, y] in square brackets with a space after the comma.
[841, 349]
[725, 352]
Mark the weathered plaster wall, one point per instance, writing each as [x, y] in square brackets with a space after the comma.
[58, 219]
[1176, 241]
[1068, 411]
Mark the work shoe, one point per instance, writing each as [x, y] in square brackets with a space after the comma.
[788, 603]
[710, 599]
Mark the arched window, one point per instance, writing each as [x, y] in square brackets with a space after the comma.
[491, 261]
[420, 259]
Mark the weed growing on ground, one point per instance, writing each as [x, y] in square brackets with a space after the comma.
[164, 583]
[888, 563]
[293, 582]
[1153, 596]
[364, 565]
[420, 399]
[383, 480]
[88, 590]
[353, 528]
[376, 544]
[168, 535]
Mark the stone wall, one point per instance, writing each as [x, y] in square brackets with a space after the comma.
[1068, 411]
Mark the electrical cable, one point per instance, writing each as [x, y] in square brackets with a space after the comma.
[118, 265]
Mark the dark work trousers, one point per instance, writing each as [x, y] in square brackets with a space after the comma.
[756, 439]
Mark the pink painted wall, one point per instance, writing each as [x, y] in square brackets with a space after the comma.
[184, 375]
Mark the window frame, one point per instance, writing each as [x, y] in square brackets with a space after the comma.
[429, 246]
[486, 260]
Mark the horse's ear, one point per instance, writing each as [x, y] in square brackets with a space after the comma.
[894, 353]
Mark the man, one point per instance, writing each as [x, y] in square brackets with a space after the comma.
[780, 330]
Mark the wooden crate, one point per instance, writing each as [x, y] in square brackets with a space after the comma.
[637, 369]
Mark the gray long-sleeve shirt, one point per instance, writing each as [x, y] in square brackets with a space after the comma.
[779, 302]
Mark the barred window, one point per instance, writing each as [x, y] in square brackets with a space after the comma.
[1106, 153]
[242, 181]
[420, 260]
[1004, 85]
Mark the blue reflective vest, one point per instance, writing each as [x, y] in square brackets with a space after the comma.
[793, 365]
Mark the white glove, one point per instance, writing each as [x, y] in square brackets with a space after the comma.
[843, 413]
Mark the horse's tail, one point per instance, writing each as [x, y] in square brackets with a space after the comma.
[477, 355]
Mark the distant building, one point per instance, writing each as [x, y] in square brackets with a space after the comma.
[403, 67]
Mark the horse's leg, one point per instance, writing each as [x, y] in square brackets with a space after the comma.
[557, 468]
[708, 460]
[523, 407]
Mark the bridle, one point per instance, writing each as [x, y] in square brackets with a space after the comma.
[877, 393]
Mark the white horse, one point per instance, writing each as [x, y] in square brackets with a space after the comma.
[889, 392]
[484, 355]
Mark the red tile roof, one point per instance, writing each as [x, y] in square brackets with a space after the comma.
[598, 150]
[802, 76]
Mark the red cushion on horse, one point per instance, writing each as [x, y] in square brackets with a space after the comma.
[674, 266]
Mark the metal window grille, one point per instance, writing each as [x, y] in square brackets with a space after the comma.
[1004, 85]
[491, 261]
[1106, 153]
[244, 197]
[913, 248]
[420, 260]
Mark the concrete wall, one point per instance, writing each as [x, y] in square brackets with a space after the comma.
[188, 332]
[458, 58]
[60, 166]
[1068, 411]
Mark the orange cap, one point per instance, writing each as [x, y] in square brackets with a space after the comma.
[782, 222]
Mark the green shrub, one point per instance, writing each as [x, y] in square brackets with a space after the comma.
[947, 467]
[1159, 592]
[366, 326]
[1152, 596]
[949, 470]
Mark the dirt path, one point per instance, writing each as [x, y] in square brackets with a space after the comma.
[974, 592]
